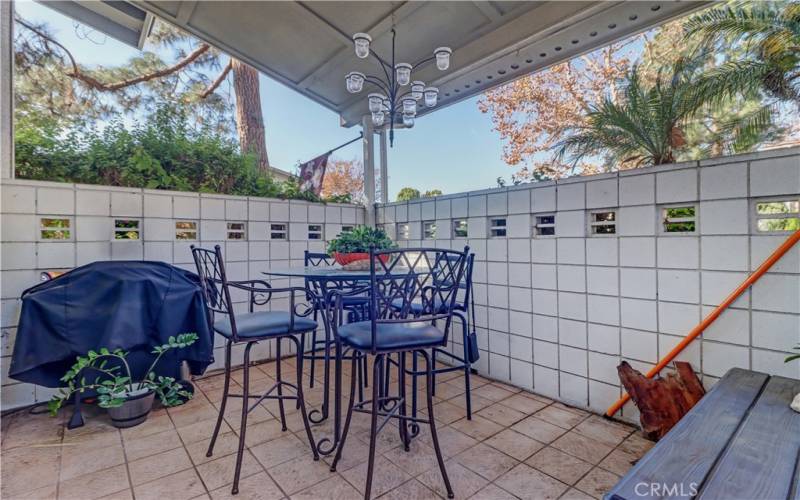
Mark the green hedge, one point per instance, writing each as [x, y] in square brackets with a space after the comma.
[163, 152]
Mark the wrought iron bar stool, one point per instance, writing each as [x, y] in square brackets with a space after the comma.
[404, 275]
[464, 311]
[251, 328]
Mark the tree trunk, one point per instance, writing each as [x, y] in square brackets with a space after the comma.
[249, 120]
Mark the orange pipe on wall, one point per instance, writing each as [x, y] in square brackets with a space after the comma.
[730, 299]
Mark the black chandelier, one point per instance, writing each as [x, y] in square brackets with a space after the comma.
[393, 101]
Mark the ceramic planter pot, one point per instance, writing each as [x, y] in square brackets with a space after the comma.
[134, 410]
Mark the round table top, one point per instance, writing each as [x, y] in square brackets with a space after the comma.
[332, 273]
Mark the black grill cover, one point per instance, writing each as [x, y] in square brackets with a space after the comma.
[131, 305]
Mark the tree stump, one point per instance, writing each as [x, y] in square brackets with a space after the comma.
[662, 401]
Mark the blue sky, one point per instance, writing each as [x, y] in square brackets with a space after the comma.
[453, 149]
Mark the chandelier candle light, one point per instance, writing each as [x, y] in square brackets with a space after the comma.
[398, 95]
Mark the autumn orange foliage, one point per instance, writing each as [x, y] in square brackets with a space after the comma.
[344, 177]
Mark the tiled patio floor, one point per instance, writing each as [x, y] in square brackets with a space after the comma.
[518, 445]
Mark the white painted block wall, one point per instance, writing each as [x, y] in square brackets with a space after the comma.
[92, 210]
[557, 314]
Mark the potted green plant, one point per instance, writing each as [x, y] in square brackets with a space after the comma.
[795, 405]
[351, 249]
[128, 402]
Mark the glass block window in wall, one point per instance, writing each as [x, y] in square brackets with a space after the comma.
[403, 231]
[544, 225]
[237, 231]
[186, 230]
[497, 228]
[429, 230]
[127, 229]
[55, 228]
[777, 216]
[460, 228]
[679, 219]
[314, 231]
[602, 222]
[278, 231]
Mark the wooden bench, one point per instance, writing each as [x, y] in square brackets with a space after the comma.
[741, 441]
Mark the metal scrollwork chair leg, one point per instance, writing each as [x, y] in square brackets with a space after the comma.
[225, 389]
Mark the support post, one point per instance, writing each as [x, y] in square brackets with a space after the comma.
[6, 89]
[369, 169]
[384, 169]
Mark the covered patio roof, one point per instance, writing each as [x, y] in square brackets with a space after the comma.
[308, 46]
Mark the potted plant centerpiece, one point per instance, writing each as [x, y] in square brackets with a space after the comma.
[351, 249]
[128, 402]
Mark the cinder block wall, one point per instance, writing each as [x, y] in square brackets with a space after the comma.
[92, 212]
[557, 313]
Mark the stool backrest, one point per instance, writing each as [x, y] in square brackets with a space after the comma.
[211, 270]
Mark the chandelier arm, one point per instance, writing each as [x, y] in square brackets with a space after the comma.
[400, 97]
[423, 61]
[377, 82]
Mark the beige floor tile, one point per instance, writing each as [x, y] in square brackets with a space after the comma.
[452, 441]
[492, 492]
[256, 487]
[178, 486]
[417, 460]
[155, 423]
[605, 431]
[136, 448]
[560, 417]
[154, 467]
[27, 469]
[515, 444]
[528, 483]
[524, 404]
[43, 493]
[95, 485]
[450, 390]
[597, 482]
[502, 414]
[636, 445]
[478, 403]
[560, 465]
[446, 412]
[574, 494]
[410, 490]
[493, 392]
[219, 472]
[486, 461]
[354, 453]
[262, 432]
[280, 450]
[333, 488]
[539, 430]
[226, 444]
[386, 476]
[24, 432]
[199, 431]
[299, 473]
[619, 461]
[582, 447]
[83, 459]
[188, 415]
[465, 483]
[478, 428]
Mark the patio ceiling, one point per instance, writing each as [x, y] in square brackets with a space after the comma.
[307, 45]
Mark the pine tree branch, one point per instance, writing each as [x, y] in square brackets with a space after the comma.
[96, 84]
[218, 81]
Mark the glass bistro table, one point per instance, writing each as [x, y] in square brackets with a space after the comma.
[321, 280]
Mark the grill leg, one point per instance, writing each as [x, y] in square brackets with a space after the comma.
[225, 389]
[243, 426]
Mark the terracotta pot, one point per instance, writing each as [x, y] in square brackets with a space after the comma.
[344, 259]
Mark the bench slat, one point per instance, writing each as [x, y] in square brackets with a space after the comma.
[685, 456]
[760, 461]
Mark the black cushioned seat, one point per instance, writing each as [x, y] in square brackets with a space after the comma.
[391, 336]
[263, 323]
